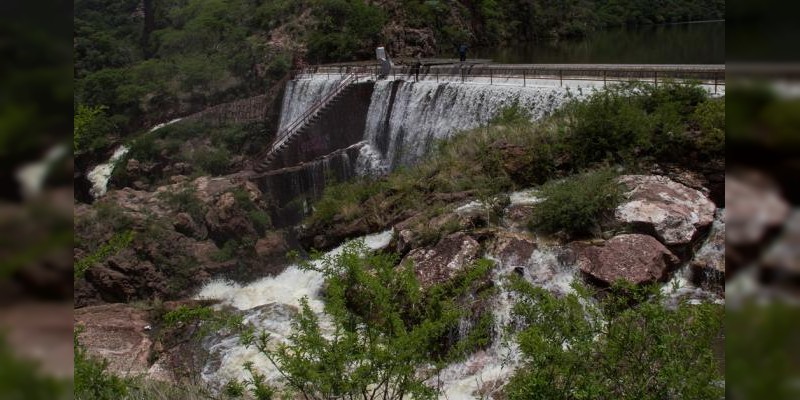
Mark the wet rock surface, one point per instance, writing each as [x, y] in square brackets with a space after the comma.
[442, 262]
[178, 243]
[117, 333]
[708, 264]
[512, 249]
[657, 205]
[636, 258]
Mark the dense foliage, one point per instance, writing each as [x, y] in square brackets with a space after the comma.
[144, 62]
[383, 327]
[493, 21]
[627, 345]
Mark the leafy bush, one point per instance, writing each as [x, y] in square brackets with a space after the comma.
[91, 129]
[710, 119]
[577, 204]
[574, 348]
[213, 161]
[628, 121]
[383, 328]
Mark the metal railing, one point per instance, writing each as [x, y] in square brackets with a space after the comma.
[289, 130]
[524, 75]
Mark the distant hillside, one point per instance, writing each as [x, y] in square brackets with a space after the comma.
[138, 62]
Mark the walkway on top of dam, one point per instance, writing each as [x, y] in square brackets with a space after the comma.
[711, 77]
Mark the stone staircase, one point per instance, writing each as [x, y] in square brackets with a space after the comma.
[297, 128]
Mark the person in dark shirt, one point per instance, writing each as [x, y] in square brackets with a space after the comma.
[415, 68]
[462, 52]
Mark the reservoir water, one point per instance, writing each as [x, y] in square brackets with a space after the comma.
[685, 43]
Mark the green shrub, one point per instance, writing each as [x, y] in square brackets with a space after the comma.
[629, 121]
[384, 328]
[627, 346]
[576, 204]
[710, 119]
[212, 161]
[92, 379]
[185, 200]
[227, 252]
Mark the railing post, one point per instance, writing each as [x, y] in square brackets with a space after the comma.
[437, 75]
[715, 83]
[655, 77]
[491, 78]
[523, 78]
[604, 78]
[561, 78]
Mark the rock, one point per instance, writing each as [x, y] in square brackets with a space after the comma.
[405, 241]
[178, 179]
[517, 216]
[271, 245]
[226, 221]
[638, 259]
[754, 207]
[182, 168]
[783, 256]
[139, 185]
[116, 333]
[708, 264]
[442, 262]
[184, 224]
[673, 213]
[512, 248]
[133, 167]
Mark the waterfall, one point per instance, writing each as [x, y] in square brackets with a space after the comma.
[300, 96]
[484, 372]
[406, 118]
[269, 304]
[100, 174]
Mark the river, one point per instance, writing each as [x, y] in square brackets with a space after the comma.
[684, 43]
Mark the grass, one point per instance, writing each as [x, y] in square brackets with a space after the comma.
[576, 205]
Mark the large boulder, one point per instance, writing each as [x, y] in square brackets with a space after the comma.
[672, 212]
[512, 249]
[708, 264]
[755, 206]
[117, 333]
[420, 229]
[442, 262]
[636, 258]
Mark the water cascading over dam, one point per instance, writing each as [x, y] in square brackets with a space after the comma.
[405, 119]
[372, 128]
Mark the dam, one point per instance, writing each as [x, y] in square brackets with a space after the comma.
[338, 122]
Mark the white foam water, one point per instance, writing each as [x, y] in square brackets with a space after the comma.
[269, 304]
[484, 373]
[423, 112]
[100, 174]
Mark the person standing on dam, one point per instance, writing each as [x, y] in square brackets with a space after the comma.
[462, 52]
[415, 68]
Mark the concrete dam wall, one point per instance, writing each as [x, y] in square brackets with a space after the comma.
[375, 127]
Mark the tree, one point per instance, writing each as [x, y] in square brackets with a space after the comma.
[627, 345]
[90, 127]
[385, 337]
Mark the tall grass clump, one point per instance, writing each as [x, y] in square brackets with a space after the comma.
[577, 205]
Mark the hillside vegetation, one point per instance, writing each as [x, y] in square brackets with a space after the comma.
[139, 62]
